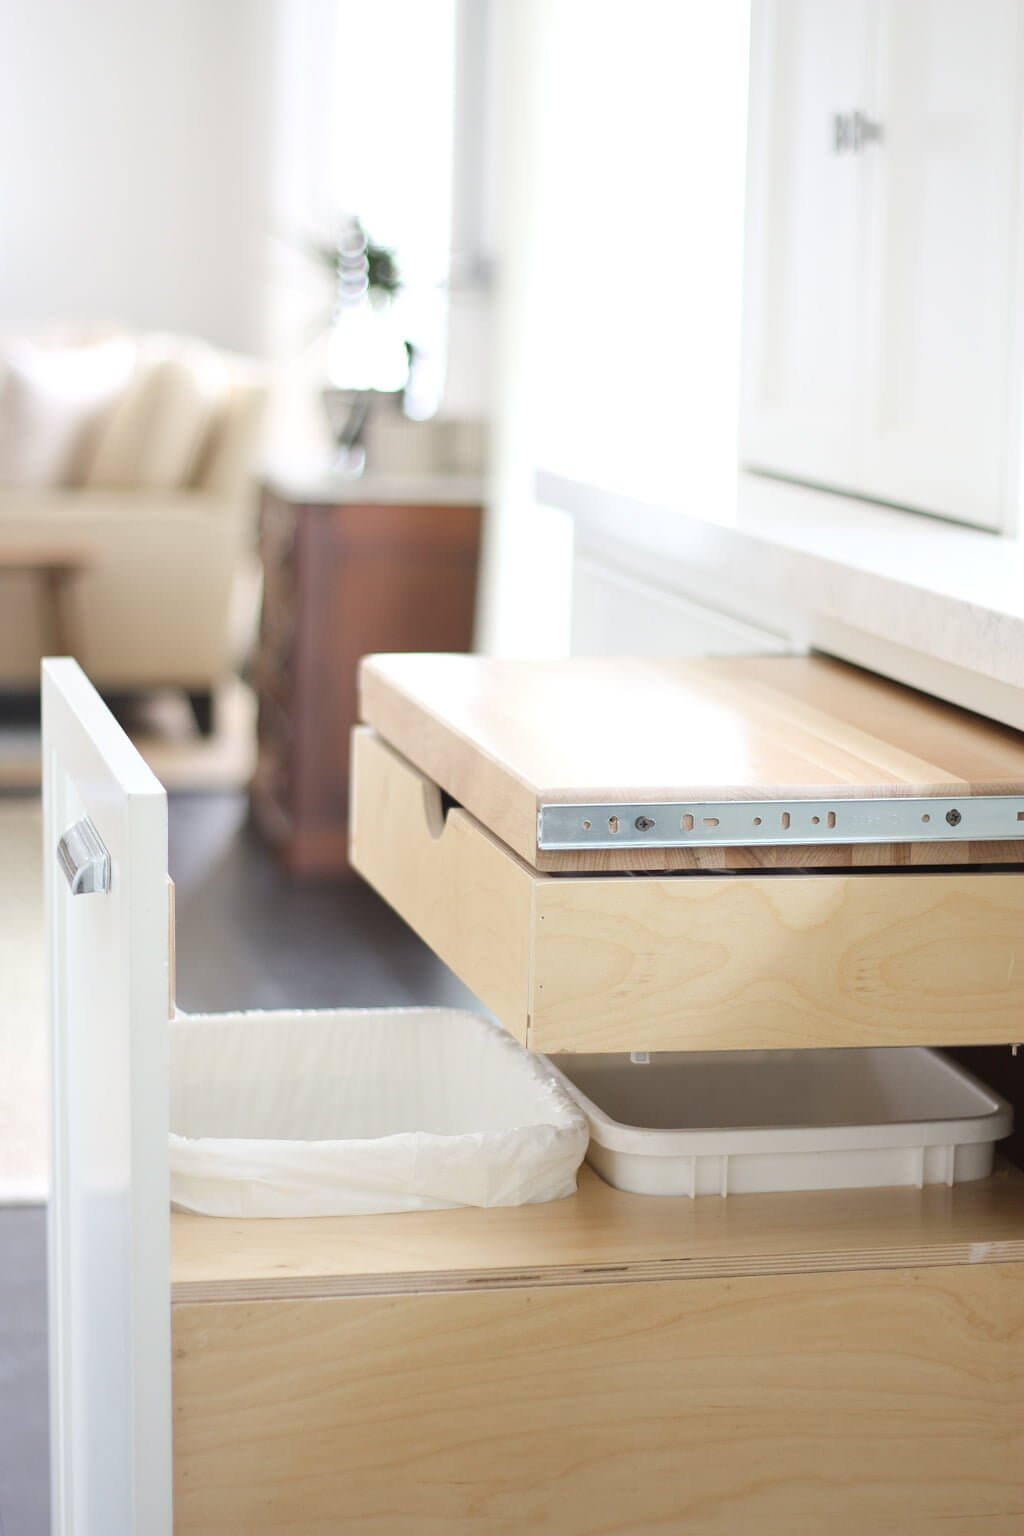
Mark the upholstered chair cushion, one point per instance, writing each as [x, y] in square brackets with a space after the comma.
[54, 397]
[156, 434]
[230, 453]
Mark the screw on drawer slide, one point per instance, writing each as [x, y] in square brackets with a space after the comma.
[742, 823]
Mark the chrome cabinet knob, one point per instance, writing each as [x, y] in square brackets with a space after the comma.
[865, 132]
[843, 132]
[84, 859]
[852, 131]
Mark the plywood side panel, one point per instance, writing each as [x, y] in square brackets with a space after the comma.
[451, 882]
[448, 752]
[789, 1406]
[778, 961]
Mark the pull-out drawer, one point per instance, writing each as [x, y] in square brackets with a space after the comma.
[691, 961]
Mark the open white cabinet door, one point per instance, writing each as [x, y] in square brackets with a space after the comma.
[109, 1275]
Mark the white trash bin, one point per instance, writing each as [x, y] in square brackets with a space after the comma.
[750, 1122]
[360, 1111]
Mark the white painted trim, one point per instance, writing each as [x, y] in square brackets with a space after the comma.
[1014, 520]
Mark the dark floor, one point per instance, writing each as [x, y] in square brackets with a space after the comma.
[248, 937]
[24, 1491]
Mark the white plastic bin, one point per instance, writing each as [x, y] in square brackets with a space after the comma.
[363, 1111]
[748, 1122]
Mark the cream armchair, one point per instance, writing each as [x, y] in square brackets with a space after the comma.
[160, 508]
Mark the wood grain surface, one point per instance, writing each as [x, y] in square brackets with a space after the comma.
[341, 580]
[692, 962]
[454, 884]
[765, 962]
[504, 737]
[597, 1235]
[785, 1405]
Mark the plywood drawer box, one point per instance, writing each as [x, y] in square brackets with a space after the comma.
[847, 946]
[702, 962]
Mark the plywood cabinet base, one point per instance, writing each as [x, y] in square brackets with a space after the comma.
[828, 1364]
[784, 1405]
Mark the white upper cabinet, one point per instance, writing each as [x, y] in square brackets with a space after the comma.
[941, 258]
[806, 208]
[881, 335]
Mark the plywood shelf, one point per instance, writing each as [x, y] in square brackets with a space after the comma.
[600, 1235]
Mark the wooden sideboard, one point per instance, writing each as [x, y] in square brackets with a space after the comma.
[348, 570]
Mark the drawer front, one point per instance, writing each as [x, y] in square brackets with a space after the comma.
[707, 962]
[786, 1405]
[692, 962]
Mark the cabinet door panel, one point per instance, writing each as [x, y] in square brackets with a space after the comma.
[110, 1364]
[615, 614]
[942, 252]
[811, 62]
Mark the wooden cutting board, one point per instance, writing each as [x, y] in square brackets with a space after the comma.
[504, 738]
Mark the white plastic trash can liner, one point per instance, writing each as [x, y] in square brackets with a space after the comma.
[362, 1111]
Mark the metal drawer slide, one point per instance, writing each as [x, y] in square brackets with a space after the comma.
[732, 823]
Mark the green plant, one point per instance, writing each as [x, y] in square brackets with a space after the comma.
[356, 265]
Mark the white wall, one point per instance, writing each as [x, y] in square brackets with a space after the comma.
[134, 164]
[622, 134]
[162, 162]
